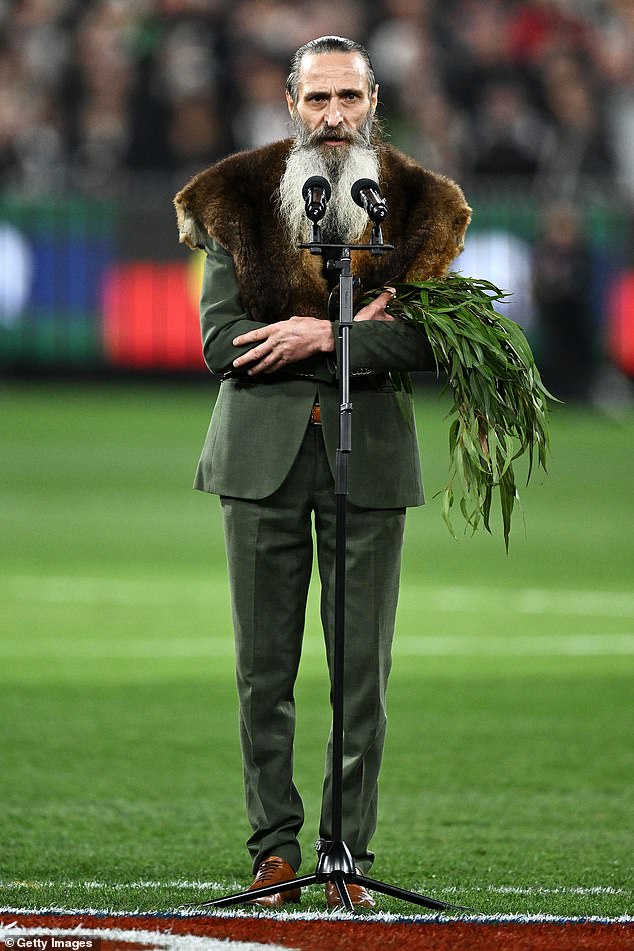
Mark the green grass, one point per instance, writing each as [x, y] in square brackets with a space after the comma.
[507, 781]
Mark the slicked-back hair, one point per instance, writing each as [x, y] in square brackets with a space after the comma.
[327, 44]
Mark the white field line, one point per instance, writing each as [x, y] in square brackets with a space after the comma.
[582, 603]
[148, 592]
[149, 885]
[79, 589]
[11, 936]
[122, 886]
[455, 598]
[385, 917]
[542, 645]
[452, 645]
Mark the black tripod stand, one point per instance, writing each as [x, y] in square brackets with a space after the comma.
[335, 863]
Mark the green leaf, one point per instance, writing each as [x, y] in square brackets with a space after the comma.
[500, 405]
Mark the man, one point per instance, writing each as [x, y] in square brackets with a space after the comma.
[271, 445]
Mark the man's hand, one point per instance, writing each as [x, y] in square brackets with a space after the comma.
[287, 341]
[376, 309]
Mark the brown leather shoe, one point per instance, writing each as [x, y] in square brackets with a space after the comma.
[272, 871]
[359, 896]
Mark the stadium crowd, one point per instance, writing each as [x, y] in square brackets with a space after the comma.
[524, 102]
[535, 91]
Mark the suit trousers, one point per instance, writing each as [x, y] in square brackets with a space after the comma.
[270, 557]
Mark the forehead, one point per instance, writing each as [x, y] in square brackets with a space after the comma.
[321, 71]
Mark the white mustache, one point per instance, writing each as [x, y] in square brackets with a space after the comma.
[361, 137]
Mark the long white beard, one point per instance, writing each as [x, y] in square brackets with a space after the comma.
[342, 166]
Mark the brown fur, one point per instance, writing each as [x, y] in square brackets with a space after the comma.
[235, 202]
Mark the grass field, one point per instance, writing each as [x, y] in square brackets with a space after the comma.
[508, 776]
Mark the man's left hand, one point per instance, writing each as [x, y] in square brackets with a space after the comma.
[376, 309]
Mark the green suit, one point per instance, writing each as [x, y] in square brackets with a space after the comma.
[260, 446]
[257, 428]
[273, 469]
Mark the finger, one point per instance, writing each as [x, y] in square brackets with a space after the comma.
[252, 336]
[267, 365]
[273, 365]
[254, 354]
[369, 312]
[274, 361]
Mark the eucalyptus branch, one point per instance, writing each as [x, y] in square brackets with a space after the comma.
[499, 409]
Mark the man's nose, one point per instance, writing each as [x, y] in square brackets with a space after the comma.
[333, 116]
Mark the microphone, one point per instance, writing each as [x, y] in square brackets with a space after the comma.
[316, 193]
[367, 195]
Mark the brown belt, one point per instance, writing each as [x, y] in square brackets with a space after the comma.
[315, 415]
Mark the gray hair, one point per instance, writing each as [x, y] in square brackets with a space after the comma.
[327, 44]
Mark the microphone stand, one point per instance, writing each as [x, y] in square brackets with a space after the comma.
[335, 863]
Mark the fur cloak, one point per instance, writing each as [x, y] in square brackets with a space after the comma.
[235, 201]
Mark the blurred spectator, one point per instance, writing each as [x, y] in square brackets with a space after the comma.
[33, 51]
[579, 153]
[564, 293]
[539, 28]
[174, 115]
[263, 116]
[104, 73]
[94, 92]
[477, 53]
[436, 133]
[404, 52]
[278, 27]
[614, 54]
[195, 136]
[507, 137]
[530, 99]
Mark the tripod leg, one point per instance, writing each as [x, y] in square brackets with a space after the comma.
[344, 895]
[239, 898]
[395, 892]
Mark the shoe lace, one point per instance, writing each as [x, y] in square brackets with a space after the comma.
[266, 870]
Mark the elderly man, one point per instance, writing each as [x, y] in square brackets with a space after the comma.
[270, 449]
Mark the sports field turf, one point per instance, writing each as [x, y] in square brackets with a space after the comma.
[508, 776]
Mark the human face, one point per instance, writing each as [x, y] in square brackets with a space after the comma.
[333, 94]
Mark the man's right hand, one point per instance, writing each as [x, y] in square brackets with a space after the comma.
[282, 343]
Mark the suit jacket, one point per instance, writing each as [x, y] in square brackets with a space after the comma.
[257, 427]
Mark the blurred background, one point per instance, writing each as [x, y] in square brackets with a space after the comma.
[108, 106]
[512, 675]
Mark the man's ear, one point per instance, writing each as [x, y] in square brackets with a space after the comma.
[290, 104]
[374, 98]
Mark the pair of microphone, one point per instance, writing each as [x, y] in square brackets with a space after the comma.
[365, 193]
